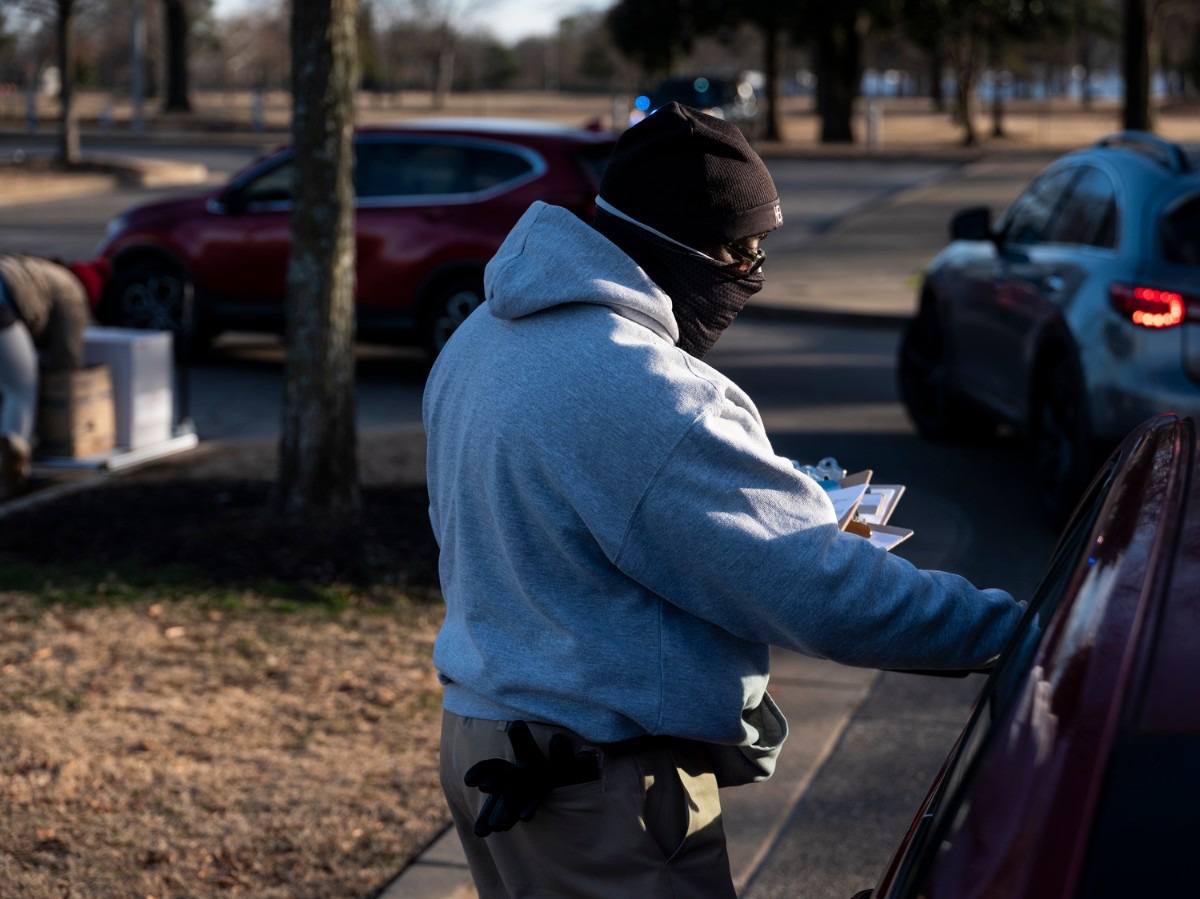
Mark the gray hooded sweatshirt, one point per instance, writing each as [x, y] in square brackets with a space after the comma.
[619, 543]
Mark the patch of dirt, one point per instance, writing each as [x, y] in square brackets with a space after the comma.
[224, 532]
[209, 514]
[174, 728]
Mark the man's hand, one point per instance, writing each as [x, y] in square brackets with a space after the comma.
[516, 788]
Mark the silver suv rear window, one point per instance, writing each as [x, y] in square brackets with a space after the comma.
[1181, 233]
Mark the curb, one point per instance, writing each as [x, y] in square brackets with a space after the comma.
[50, 494]
[40, 188]
[96, 174]
[866, 320]
[149, 173]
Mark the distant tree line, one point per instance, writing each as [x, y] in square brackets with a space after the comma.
[89, 43]
[961, 38]
[433, 46]
[350, 45]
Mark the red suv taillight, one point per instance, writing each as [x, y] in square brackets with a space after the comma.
[1150, 307]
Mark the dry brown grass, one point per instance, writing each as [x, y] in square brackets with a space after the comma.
[177, 748]
[201, 700]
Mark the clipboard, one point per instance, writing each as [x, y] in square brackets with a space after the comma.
[865, 509]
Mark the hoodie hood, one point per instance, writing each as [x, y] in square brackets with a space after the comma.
[551, 258]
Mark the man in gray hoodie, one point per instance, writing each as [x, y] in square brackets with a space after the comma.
[620, 545]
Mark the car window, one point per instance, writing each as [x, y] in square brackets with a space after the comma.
[1003, 685]
[1181, 233]
[410, 169]
[1088, 214]
[272, 186]
[1029, 218]
[414, 168]
[699, 92]
[377, 169]
[1046, 598]
[490, 167]
[1144, 828]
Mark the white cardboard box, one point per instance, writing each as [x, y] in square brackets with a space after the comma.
[142, 378]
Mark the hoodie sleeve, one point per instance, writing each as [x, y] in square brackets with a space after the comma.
[732, 534]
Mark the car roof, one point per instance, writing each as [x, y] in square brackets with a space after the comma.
[1149, 151]
[498, 127]
[1168, 699]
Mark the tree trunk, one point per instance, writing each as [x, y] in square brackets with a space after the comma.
[997, 99]
[773, 129]
[443, 77]
[839, 55]
[318, 466]
[1136, 67]
[963, 91]
[68, 129]
[964, 81]
[937, 66]
[176, 15]
[1083, 29]
[1192, 64]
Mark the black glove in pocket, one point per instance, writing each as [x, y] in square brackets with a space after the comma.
[516, 788]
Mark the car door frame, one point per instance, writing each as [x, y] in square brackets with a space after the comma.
[997, 314]
[1111, 565]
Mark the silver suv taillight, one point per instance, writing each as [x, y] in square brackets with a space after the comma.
[1151, 307]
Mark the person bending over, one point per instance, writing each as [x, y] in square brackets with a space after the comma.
[44, 308]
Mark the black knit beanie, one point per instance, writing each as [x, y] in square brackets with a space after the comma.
[693, 177]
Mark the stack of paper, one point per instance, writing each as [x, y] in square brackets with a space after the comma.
[864, 508]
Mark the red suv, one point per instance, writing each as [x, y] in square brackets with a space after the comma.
[434, 202]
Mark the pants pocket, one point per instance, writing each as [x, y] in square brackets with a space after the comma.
[681, 799]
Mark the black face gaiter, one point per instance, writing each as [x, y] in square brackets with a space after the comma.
[706, 296]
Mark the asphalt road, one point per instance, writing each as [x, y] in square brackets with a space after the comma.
[815, 195]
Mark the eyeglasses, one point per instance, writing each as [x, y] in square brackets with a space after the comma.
[748, 261]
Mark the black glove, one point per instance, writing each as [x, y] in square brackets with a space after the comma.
[516, 788]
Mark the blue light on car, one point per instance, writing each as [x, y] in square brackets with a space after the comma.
[701, 85]
[642, 103]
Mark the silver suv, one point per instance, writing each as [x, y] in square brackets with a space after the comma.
[1074, 318]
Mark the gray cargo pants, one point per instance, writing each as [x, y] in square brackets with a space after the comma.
[650, 827]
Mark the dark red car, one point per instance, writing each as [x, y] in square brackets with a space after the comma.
[1078, 773]
[434, 202]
